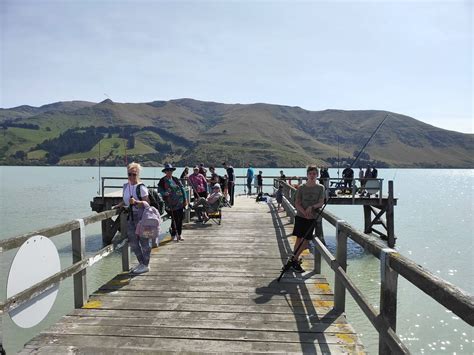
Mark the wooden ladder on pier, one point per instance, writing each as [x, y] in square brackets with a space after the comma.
[214, 292]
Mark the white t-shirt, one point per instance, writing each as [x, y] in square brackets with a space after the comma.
[131, 191]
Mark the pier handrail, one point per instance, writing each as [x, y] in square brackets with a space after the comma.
[104, 178]
[392, 264]
[79, 263]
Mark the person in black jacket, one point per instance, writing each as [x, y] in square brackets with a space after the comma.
[375, 173]
[230, 181]
[348, 175]
[260, 183]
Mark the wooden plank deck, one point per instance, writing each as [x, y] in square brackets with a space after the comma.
[214, 292]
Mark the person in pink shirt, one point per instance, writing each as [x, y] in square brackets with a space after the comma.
[198, 183]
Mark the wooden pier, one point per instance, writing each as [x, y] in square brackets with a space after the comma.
[214, 292]
[217, 290]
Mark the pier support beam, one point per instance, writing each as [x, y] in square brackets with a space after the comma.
[378, 211]
[367, 220]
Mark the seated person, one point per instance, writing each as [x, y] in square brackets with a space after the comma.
[209, 204]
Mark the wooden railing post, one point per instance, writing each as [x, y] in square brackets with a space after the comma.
[126, 247]
[341, 258]
[390, 217]
[78, 237]
[2, 350]
[388, 296]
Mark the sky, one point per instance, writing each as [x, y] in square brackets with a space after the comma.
[408, 57]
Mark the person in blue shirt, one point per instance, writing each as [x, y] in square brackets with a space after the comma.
[250, 174]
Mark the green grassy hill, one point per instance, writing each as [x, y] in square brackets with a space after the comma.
[187, 131]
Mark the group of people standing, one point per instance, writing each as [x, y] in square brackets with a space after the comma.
[202, 184]
[255, 180]
[348, 176]
[136, 197]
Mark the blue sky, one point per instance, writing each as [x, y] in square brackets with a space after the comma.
[410, 57]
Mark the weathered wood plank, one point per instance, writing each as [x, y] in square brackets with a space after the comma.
[326, 325]
[334, 336]
[317, 288]
[157, 299]
[190, 316]
[140, 344]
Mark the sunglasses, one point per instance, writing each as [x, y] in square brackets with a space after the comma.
[132, 174]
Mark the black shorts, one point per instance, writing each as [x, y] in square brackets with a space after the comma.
[304, 228]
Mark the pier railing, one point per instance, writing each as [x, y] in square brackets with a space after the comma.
[239, 181]
[79, 261]
[392, 264]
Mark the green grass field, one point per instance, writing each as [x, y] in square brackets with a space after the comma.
[113, 147]
[15, 139]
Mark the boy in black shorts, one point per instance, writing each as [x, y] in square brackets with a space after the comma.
[309, 198]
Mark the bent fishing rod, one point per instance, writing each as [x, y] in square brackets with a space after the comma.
[287, 266]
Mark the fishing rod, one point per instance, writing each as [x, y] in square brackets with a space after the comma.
[287, 266]
[338, 161]
[98, 192]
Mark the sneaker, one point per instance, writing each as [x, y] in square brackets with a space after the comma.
[296, 266]
[141, 269]
[180, 238]
[135, 267]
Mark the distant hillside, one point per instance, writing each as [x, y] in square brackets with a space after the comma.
[187, 131]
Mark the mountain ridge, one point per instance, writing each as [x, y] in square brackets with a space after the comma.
[185, 131]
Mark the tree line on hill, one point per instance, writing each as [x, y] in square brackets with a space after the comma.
[7, 124]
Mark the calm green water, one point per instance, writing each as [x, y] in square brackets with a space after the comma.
[433, 222]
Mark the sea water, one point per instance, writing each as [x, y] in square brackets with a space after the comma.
[433, 224]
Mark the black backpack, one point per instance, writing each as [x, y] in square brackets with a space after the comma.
[155, 199]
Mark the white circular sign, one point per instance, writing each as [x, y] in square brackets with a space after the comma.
[36, 260]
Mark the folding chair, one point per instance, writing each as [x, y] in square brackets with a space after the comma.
[214, 211]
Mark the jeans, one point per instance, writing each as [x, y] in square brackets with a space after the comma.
[176, 221]
[140, 246]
